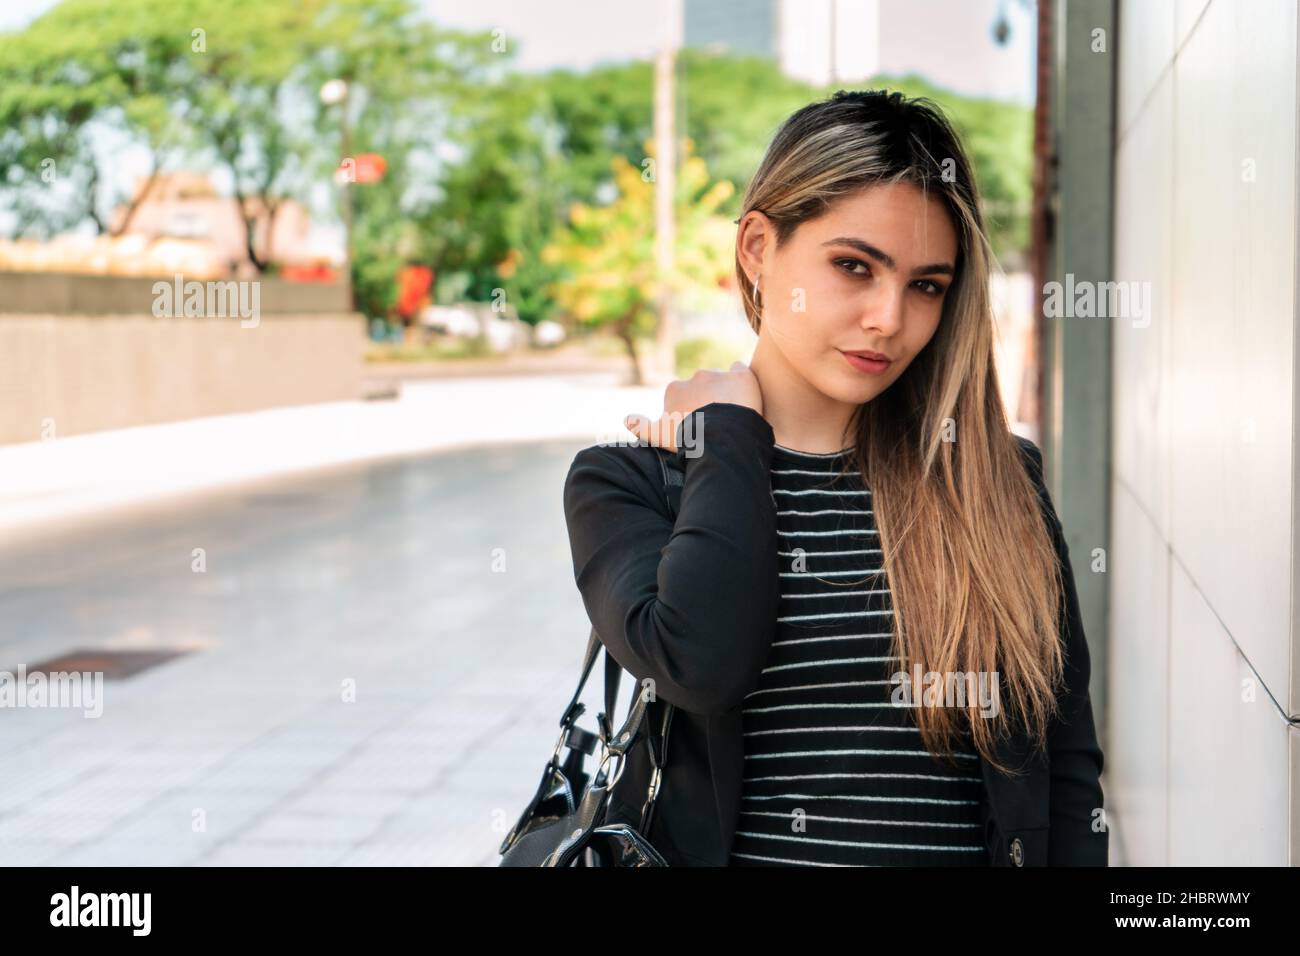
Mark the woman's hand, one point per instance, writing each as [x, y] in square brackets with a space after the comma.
[738, 386]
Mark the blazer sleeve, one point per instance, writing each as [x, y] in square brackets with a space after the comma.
[1075, 757]
[691, 604]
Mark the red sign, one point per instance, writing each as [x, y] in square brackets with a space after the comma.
[413, 284]
[370, 167]
[366, 168]
[318, 272]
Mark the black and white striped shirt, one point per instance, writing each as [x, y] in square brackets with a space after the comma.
[835, 774]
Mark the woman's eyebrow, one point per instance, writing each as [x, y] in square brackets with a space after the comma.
[886, 259]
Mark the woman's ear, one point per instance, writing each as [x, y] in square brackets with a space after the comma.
[751, 244]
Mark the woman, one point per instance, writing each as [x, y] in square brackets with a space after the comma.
[864, 610]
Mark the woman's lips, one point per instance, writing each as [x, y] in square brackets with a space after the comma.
[863, 364]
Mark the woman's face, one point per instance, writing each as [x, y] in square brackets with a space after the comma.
[869, 275]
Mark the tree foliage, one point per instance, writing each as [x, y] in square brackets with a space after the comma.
[483, 163]
[612, 275]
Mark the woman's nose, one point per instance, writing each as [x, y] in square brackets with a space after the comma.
[884, 313]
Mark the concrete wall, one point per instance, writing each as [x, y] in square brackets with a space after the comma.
[66, 293]
[1202, 761]
[65, 372]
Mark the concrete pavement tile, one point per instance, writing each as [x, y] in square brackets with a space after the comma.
[243, 853]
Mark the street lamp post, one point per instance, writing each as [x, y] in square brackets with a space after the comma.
[335, 93]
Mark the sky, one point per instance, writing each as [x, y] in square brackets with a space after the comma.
[947, 40]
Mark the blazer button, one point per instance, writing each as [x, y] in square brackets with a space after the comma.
[1017, 852]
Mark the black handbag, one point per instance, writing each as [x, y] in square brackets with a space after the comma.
[567, 821]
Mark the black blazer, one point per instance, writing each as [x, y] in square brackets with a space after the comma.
[693, 606]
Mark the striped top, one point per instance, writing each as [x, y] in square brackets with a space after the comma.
[821, 735]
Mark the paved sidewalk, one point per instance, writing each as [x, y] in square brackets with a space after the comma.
[347, 545]
[377, 659]
[46, 482]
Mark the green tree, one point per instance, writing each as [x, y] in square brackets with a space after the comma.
[609, 110]
[230, 82]
[497, 204]
[414, 91]
[607, 251]
[86, 66]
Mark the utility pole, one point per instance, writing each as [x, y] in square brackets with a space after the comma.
[665, 191]
[835, 67]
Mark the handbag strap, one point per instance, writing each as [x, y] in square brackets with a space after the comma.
[613, 674]
[619, 742]
[657, 736]
[571, 734]
[657, 746]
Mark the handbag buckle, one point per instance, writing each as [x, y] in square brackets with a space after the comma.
[604, 762]
[654, 784]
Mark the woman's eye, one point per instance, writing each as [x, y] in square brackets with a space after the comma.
[848, 266]
[856, 267]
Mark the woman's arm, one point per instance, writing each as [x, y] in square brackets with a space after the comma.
[1075, 757]
[692, 606]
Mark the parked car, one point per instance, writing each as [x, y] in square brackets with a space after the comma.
[451, 320]
[547, 333]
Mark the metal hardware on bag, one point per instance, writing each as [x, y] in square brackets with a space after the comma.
[656, 774]
[622, 761]
[575, 738]
[559, 745]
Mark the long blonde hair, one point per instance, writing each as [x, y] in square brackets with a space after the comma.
[972, 570]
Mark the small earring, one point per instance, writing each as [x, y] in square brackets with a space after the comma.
[756, 278]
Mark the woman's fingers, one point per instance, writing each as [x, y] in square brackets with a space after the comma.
[661, 432]
[738, 386]
[637, 425]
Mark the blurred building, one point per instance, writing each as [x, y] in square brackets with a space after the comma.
[737, 26]
[185, 205]
[819, 41]
[832, 41]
